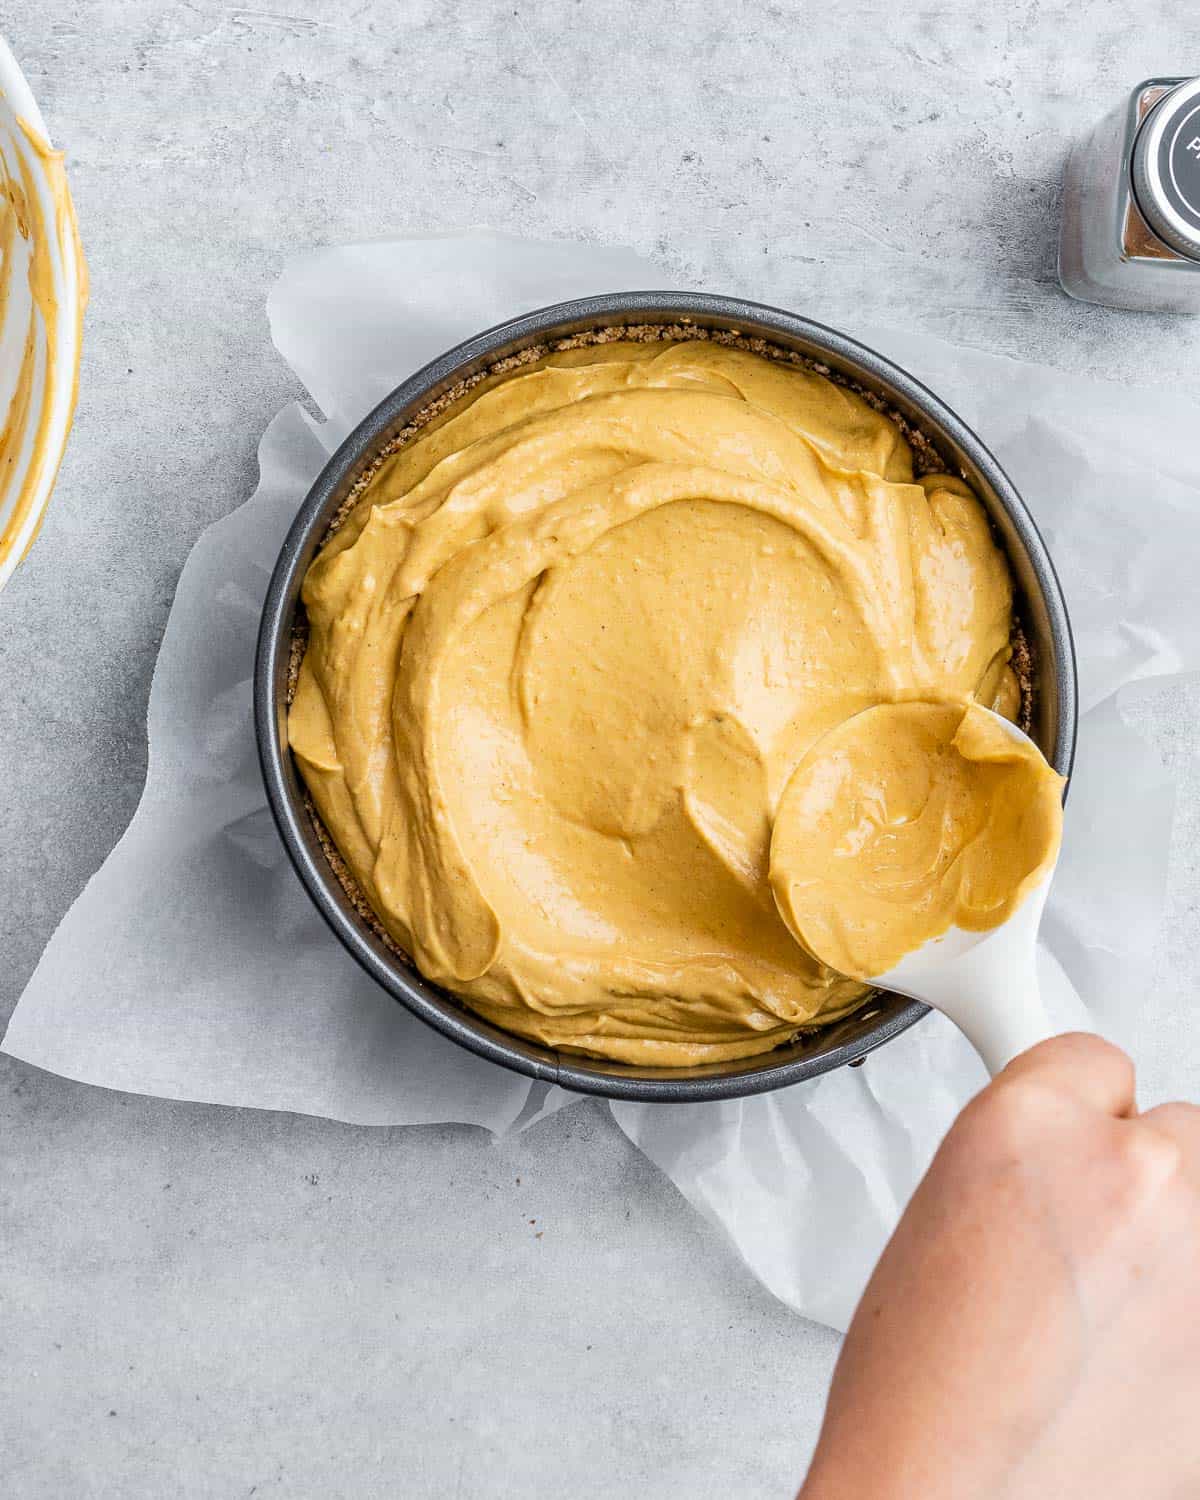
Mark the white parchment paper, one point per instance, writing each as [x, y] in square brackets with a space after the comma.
[193, 965]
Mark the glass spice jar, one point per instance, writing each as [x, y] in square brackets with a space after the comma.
[1131, 203]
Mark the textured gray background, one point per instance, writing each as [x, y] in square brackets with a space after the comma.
[207, 1302]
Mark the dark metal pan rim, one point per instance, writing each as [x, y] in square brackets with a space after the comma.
[1044, 610]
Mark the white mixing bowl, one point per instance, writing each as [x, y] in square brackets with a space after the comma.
[43, 289]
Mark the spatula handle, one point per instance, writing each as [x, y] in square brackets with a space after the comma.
[990, 991]
[1000, 1032]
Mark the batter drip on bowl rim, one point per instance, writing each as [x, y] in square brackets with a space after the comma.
[43, 292]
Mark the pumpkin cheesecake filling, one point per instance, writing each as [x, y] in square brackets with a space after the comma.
[569, 647]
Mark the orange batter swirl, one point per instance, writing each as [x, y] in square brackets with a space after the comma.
[567, 651]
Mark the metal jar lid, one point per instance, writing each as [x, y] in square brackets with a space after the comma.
[1166, 169]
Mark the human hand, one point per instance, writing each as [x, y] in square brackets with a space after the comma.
[1033, 1327]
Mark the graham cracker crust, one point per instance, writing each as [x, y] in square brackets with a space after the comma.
[927, 459]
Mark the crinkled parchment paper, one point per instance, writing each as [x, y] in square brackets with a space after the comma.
[193, 965]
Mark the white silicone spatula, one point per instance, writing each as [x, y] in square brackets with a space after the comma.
[986, 982]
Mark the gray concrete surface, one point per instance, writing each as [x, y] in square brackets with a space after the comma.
[201, 1302]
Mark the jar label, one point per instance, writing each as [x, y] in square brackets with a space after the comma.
[1179, 163]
